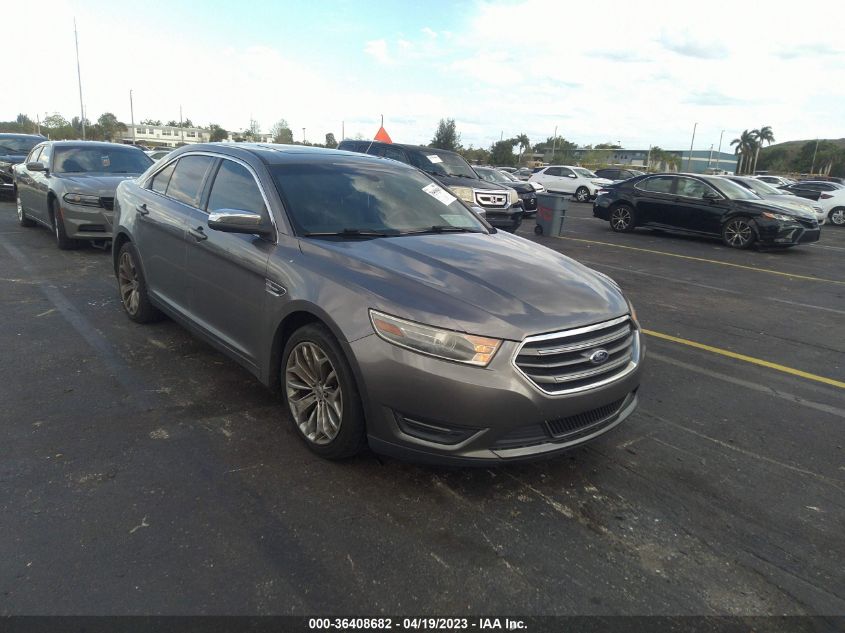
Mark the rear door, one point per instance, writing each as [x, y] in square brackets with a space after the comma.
[654, 200]
[40, 184]
[552, 179]
[24, 179]
[161, 226]
[227, 272]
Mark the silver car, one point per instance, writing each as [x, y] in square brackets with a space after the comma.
[382, 308]
[68, 186]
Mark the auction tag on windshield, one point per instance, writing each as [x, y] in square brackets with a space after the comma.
[106, 161]
[434, 158]
[439, 193]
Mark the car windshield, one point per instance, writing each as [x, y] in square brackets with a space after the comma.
[733, 190]
[762, 188]
[14, 145]
[108, 160]
[442, 163]
[373, 198]
[506, 176]
[586, 173]
[490, 175]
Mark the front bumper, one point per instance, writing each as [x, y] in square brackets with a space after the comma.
[774, 233]
[87, 223]
[508, 219]
[475, 415]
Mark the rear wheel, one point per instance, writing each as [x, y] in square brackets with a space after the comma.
[321, 394]
[738, 233]
[582, 194]
[23, 220]
[837, 216]
[622, 218]
[62, 240]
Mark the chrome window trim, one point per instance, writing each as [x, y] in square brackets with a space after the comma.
[224, 157]
[632, 364]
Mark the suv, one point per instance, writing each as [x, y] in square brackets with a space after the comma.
[501, 205]
[574, 181]
[13, 151]
[362, 290]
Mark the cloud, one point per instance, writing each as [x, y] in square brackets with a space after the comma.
[691, 46]
[429, 32]
[377, 49]
[624, 56]
[809, 50]
[714, 98]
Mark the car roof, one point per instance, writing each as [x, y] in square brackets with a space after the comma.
[275, 154]
[16, 135]
[90, 144]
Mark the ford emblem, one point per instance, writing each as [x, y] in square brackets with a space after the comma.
[598, 356]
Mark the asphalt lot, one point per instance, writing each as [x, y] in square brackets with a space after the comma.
[143, 472]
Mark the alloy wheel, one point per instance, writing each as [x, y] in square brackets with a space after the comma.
[582, 195]
[738, 233]
[620, 219]
[127, 276]
[314, 393]
[837, 216]
[20, 207]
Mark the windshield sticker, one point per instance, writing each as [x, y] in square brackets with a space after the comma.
[439, 193]
[434, 158]
[457, 220]
[106, 161]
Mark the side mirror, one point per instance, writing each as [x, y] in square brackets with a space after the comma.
[239, 221]
[36, 166]
[711, 195]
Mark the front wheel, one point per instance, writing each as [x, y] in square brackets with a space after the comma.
[133, 286]
[622, 218]
[738, 233]
[62, 240]
[23, 220]
[582, 194]
[321, 394]
[837, 216]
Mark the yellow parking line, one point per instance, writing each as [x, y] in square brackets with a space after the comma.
[702, 259]
[747, 359]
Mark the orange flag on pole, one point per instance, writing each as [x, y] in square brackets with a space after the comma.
[382, 135]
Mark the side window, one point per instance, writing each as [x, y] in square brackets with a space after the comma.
[657, 184]
[186, 181]
[235, 188]
[553, 171]
[46, 155]
[624, 174]
[566, 172]
[160, 181]
[33, 155]
[692, 188]
[392, 152]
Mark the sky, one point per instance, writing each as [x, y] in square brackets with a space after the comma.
[636, 73]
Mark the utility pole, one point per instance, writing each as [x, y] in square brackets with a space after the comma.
[648, 159]
[79, 79]
[710, 158]
[181, 128]
[692, 142]
[719, 153]
[38, 122]
[813, 166]
[501, 135]
[132, 116]
[554, 144]
[303, 132]
[342, 130]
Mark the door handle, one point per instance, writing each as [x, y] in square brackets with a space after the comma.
[142, 209]
[198, 234]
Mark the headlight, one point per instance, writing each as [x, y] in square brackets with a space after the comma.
[455, 346]
[778, 216]
[513, 197]
[537, 186]
[633, 313]
[4, 164]
[81, 198]
[464, 193]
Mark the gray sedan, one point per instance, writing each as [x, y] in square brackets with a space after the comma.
[68, 186]
[385, 311]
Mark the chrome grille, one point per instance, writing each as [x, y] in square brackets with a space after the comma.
[107, 203]
[581, 358]
[492, 199]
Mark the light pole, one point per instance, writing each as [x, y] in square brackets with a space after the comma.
[719, 153]
[303, 136]
[79, 79]
[692, 142]
[813, 166]
[132, 117]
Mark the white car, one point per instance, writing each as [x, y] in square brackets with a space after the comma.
[775, 181]
[833, 205]
[570, 180]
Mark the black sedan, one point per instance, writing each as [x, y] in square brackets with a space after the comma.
[527, 191]
[812, 189]
[13, 150]
[703, 205]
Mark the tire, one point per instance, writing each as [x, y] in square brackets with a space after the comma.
[582, 194]
[738, 233]
[622, 218]
[23, 220]
[62, 240]
[538, 230]
[319, 388]
[837, 216]
[132, 286]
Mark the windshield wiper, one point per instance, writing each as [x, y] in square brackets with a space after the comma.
[351, 233]
[442, 228]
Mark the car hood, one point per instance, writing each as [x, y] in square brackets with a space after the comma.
[496, 285]
[777, 207]
[12, 158]
[521, 187]
[475, 183]
[99, 185]
[787, 201]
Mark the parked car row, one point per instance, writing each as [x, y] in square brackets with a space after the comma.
[706, 205]
[363, 289]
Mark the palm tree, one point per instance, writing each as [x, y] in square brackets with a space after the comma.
[745, 145]
[524, 144]
[763, 135]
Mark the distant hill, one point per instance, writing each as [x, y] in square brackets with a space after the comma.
[797, 157]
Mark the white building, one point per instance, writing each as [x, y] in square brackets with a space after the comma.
[165, 135]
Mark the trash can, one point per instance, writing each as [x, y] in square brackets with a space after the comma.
[551, 210]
